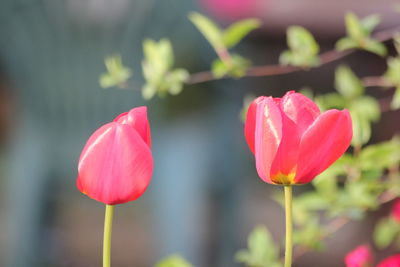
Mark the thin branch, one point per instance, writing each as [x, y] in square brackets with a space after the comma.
[276, 69]
[375, 81]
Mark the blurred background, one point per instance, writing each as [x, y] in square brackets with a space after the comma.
[205, 195]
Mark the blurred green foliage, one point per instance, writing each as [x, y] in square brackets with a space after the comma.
[392, 76]
[221, 40]
[359, 35]
[158, 70]
[227, 38]
[173, 261]
[116, 75]
[303, 49]
[236, 68]
[238, 30]
[347, 83]
[261, 250]
[209, 29]
[386, 231]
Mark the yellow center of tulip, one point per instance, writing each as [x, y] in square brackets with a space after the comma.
[281, 178]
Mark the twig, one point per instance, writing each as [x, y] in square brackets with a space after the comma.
[375, 81]
[276, 69]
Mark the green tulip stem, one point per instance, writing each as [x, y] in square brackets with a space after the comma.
[289, 226]
[107, 236]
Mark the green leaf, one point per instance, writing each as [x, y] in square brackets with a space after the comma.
[148, 91]
[375, 47]
[380, 156]
[116, 75]
[175, 80]
[354, 27]
[301, 40]
[158, 70]
[209, 29]
[239, 66]
[330, 100]
[385, 232]
[159, 55]
[310, 235]
[346, 43]
[370, 22]
[326, 182]
[347, 83]
[395, 104]
[364, 111]
[219, 69]
[368, 107]
[361, 129]
[306, 91]
[236, 69]
[166, 53]
[286, 57]
[261, 251]
[237, 31]
[173, 261]
[303, 48]
[305, 204]
[362, 195]
[358, 35]
[392, 74]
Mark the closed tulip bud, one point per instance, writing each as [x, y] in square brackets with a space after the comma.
[116, 163]
[392, 261]
[359, 257]
[292, 141]
[396, 210]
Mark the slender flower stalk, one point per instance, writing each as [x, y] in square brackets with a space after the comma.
[107, 235]
[289, 226]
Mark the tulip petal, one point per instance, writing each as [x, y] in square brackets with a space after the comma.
[285, 162]
[300, 109]
[115, 165]
[268, 134]
[137, 118]
[323, 143]
[392, 261]
[250, 123]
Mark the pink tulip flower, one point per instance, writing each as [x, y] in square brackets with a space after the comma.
[292, 141]
[392, 261]
[396, 210]
[233, 9]
[116, 163]
[359, 257]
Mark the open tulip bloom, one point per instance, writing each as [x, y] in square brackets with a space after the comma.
[293, 142]
[116, 165]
